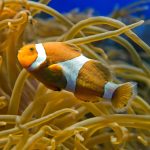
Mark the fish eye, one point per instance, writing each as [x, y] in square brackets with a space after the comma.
[31, 49]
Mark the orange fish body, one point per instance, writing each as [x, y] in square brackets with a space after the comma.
[60, 65]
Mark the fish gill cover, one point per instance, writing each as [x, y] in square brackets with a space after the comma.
[34, 117]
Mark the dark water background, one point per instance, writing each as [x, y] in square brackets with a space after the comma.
[105, 8]
[101, 7]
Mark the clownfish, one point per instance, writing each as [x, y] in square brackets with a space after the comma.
[59, 65]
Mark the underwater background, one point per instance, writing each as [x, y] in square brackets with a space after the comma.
[101, 7]
[105, 8]
[33, 117]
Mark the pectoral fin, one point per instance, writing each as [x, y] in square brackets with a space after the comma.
[55, 68]
[57, 73]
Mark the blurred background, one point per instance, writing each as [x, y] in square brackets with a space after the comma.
[101, 7]
[107, 7]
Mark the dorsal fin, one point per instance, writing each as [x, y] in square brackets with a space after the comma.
[73, 47]
[60, 51]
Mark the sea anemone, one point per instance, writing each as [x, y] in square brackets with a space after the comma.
[34, 117]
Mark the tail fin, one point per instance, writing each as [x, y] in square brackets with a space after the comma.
[123, 95]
